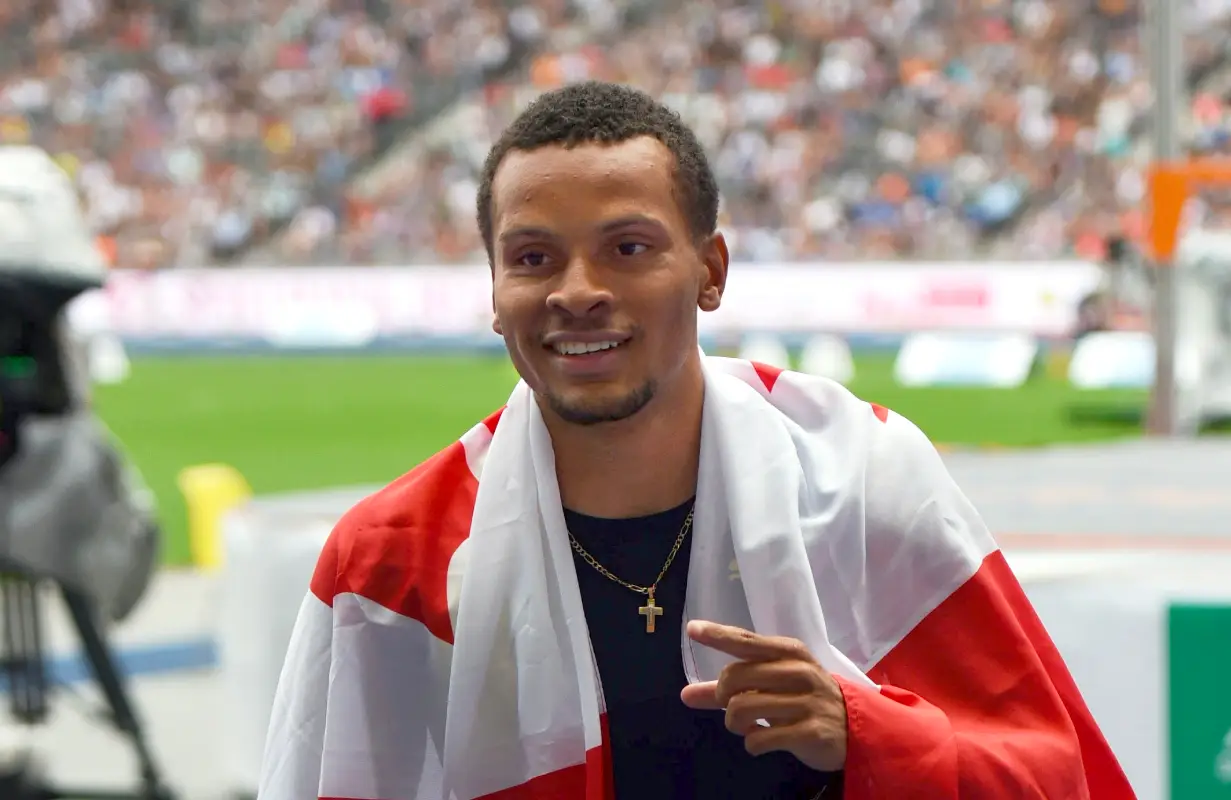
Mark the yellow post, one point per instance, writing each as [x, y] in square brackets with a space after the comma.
[210, 491]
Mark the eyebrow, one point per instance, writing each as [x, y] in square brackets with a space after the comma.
[628, 222]
[531, 231]
[526, 232]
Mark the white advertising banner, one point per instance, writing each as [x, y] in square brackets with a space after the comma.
[354, 306]
[901, 298]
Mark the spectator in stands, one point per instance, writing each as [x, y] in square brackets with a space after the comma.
[215, 131]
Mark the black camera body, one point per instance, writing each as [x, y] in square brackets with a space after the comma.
[71, 508]
[34, 375]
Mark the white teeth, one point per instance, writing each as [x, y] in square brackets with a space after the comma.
[581, 348]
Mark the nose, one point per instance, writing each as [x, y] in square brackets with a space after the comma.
[580, 290]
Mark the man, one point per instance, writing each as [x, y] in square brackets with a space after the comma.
[656, 574]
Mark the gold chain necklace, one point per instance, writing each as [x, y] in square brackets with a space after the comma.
[650, 611]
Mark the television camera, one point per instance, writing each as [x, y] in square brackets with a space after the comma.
[75, 519]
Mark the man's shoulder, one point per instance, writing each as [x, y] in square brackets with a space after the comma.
[881, 454]
[430, 493]
[826, 408]
[394, 547]
[812, 401]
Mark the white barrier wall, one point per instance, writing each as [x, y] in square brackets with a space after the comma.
[1107, 613]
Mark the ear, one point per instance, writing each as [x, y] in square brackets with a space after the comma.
[495, 318]
[716, 259]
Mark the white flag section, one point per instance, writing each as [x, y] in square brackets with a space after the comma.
[443, 650]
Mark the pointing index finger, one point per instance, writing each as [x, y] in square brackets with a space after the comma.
[746, 645]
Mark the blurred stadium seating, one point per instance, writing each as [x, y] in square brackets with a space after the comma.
[213, 131]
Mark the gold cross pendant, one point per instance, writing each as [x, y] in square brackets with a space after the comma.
[650, 612]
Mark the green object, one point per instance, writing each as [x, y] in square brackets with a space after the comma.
[298, 422]
[17, 366]
[1199, 668]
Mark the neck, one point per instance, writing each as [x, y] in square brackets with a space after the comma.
[634, 467]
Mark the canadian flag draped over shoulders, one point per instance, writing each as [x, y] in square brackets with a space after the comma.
[970, 698]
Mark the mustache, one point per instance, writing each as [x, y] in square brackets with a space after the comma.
[592, 331]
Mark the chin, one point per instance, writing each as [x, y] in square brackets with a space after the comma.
[600, 406]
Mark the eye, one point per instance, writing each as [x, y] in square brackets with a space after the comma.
[531, 258]
[631, 248]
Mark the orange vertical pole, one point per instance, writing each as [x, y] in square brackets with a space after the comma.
[1168, 188]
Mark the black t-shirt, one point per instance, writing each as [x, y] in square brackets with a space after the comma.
[661, 748]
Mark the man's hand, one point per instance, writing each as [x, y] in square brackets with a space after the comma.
[776, 680]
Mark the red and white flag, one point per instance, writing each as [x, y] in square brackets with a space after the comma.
[442, 651]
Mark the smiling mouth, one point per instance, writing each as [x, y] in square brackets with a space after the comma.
[584, 348]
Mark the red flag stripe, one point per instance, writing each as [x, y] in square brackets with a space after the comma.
[767, 374]
[394, 547]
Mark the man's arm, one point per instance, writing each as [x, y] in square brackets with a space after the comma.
[975, 700]
[1001, 717]
[360, 706]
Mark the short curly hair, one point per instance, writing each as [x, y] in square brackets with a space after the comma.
[607, 113]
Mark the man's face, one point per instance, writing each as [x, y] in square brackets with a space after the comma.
[596, 277]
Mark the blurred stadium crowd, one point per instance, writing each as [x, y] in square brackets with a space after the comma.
[352, 131]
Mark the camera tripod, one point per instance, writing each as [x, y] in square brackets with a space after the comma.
[24, 664]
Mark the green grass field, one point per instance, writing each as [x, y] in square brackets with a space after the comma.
[304, 422]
